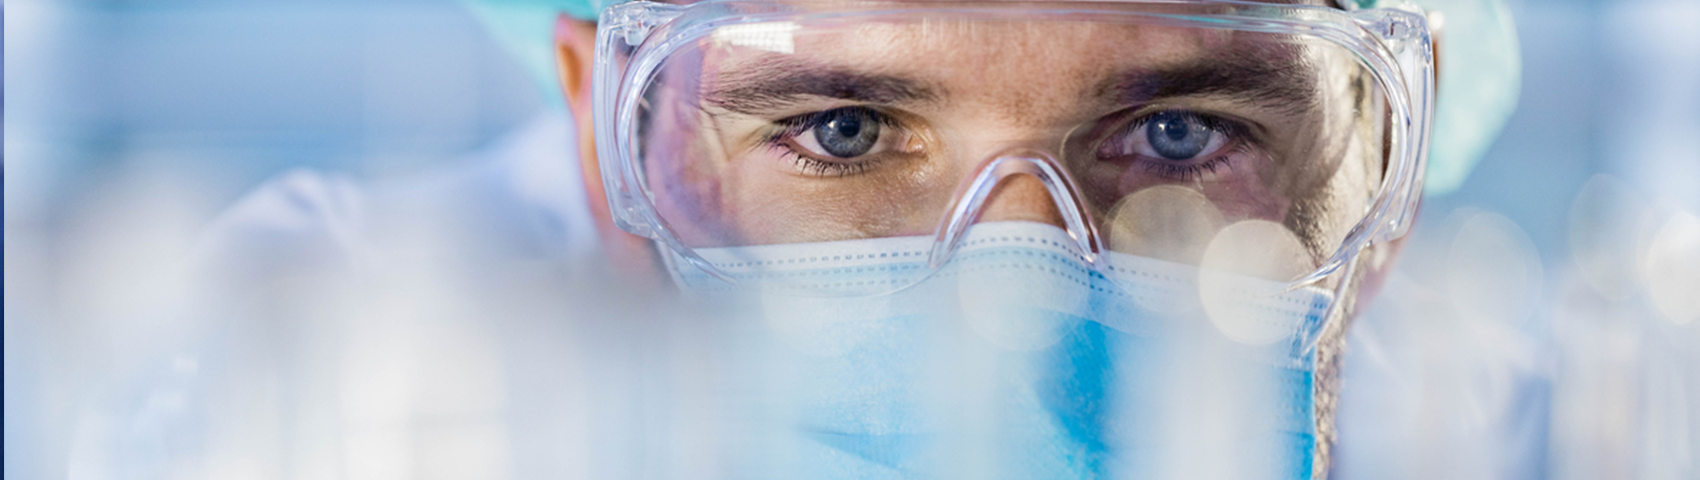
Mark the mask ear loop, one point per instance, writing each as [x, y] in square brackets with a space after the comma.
[1308, 338]
[971, 198]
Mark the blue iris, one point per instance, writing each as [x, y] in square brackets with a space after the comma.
[847, 132]
[1178, 135]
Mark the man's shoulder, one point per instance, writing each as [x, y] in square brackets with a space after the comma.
[520, 198]
[301, 219]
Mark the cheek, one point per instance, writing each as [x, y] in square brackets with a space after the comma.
[1240, 190]
[773, 207]
[1324, 213]
[690, 201]
[1235, 200]
[1249, 201]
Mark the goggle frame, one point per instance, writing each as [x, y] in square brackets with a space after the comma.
[633, 39]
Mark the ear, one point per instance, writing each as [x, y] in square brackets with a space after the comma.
[575, 55]
[1437, 41]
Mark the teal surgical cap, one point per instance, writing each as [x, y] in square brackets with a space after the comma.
[1481, 72]
[526, 28]
[1480, 69]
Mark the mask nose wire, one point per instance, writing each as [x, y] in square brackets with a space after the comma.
[971, 197]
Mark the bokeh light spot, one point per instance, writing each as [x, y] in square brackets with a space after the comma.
[1165, 222]
[1237, 266]
[1492, 270]
[1672, 269]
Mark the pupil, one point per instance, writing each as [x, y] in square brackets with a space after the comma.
[847, 132]
[1175, 130]
[1178, 135]
[847, 127]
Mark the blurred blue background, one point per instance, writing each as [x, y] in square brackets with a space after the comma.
[1587, 367]
[243, 90]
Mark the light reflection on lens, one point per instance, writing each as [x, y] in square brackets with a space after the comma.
[1165, 222]
[1252, 248]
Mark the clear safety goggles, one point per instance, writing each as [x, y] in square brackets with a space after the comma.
[1171, 130]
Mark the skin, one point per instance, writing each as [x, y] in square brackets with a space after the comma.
[980, 102]
[952, 108]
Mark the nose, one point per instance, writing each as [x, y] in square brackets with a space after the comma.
[1019, 185]
[1021, 198]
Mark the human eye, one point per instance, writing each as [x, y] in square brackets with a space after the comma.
[841, 141]
[1176, 144]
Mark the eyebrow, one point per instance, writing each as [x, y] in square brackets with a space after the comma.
[1287, 86]
[775, 83]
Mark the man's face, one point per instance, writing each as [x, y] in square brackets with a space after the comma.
[783, 133]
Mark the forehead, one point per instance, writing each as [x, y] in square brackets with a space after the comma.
[940, 56]
[947, 45]
[937, 58]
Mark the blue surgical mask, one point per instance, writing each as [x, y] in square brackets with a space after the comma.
[1018, 360]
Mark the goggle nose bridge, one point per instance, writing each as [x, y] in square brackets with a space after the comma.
[971, 196]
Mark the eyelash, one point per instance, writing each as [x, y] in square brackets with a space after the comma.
[791, 127]
[1189, 172]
